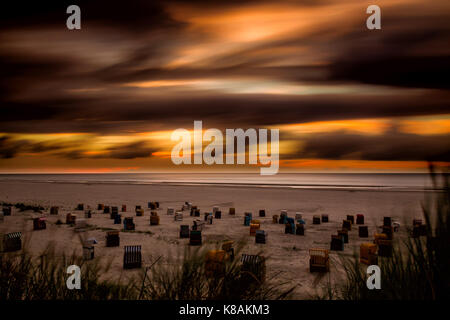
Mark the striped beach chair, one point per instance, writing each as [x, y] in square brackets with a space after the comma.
[132, 257]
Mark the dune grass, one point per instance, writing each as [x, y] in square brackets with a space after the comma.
[419, 267]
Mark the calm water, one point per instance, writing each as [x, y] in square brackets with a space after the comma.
[400, 181]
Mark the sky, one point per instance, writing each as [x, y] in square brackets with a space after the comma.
[106, 98]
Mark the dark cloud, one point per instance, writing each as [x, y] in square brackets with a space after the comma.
[392, 145]
[136, 16]
[133, 150]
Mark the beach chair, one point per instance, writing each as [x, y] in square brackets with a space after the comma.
[359, 219]
[112, 238]
[344, 234]
[39, 224]
[347, 224]
[262, 213]
[218, 214]
[215, 209]
[210, 219]
[184, 231]
[11, 242]
[178, 216]
[253, 227]
[215, 263]
[385, 248]
[260, 236]
[100, 206]
[137, 207]
[289, 227]
[275, 218]
[253, 268]
[118, 219]
[195, 238]
[71, 218]
[298, 216]
[186, 206]
[351, 218]
[170, 211]
[154, 219]
[232, 211]
[324, 218]
[106, 210]
[54, 210]
[378, 237]
[368, 253]
[198, 225]
[88, 251]
[124, 208]
[80, 207]
[337, 243]
[387, 221]
[128, 224]
[227, 246]
[7, 211]
[389, 231]
[88, 214]
[316, 219]
[319, 260]
[196, 212]
[139, 212]
[132, 257]
[300, 229]
[283, 217]
[363, 231]
[115, 210]
[247, 218]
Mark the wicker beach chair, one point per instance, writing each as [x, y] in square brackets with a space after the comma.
[316, 219]
[178, 216]
[261, 236]
[289, 227]
[363, 231]
[247, 218]
[54, 210]
[170, 211]
[139, 212]
[71, 218]
[300, 229]
[218, 214]
[112, 238]
[347, 224]
[368, 253]
[319, 260]
[128, 224]
[106, 209]
[124, 208]
[154, 219]
[262, 213]
[253, 268]
[283, 217]
[118, 219]
[11, 242]
[254, 225]
[337, 243]
[275, 218]
[232, 211]
[80, 207]
[100, 206]
[215, 263]
[132, 257]
[39, 224]
[324, 217]
[351, 218]
[359, 219]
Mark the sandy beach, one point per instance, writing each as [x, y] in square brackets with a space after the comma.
[286, 253]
